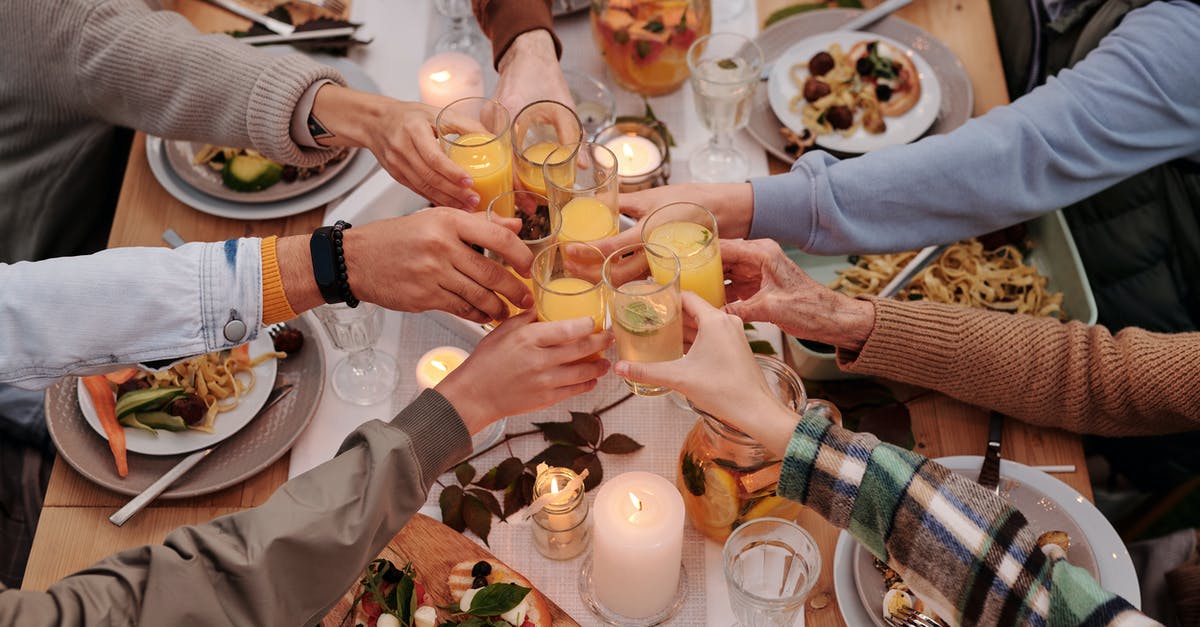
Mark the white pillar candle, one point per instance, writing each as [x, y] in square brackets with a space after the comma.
[636, 155]
[637, 544]
[448, 76]
[437, 363]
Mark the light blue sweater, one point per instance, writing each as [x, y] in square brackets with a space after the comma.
[1131, 104]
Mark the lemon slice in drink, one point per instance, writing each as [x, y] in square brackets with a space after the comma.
[776, 506]
[719, 505]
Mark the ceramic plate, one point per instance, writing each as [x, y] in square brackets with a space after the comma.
[242, 456]
[957, 99]
[781, 89]
[1046, 502]
[204, 178]
[227, 423]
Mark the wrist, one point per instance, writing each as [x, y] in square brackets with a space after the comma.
[836, 319]
[347, 114]
[534, 44]
[736, 201]
[474, 415]
[295, 270]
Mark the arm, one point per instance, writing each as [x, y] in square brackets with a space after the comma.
[1124, 108]
[525, 50]
[504, 21]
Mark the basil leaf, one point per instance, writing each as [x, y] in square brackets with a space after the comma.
[654, 26]
[406, 599]
[496, 599]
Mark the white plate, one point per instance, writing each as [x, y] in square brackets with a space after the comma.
[1047, 504]
[357, 167]
[900, 129]
[226, 424]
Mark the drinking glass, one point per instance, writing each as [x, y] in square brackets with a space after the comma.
[690, 231]
[537, 131]
[463, 35]
[594, 102]
[647, 319]
[485, 155]
[771, 565]
[365, 376]
[567, 282]
[582, 184]
[724, 74]
[539, 229]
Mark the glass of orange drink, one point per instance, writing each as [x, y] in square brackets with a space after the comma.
[690, 231]
[568, 283]
[582, 183]
[474, 133]
[539, 229]
[538, 130]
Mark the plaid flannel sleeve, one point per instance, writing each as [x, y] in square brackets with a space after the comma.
[967, 553]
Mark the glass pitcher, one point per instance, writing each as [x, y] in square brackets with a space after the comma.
[726, 477]
[645, 42]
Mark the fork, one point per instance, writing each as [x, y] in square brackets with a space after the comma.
[336, 6]
[909, 617]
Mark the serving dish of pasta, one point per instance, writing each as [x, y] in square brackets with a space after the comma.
[231, 393]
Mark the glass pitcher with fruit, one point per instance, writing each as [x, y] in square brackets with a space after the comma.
[726, 477]
[645, 42]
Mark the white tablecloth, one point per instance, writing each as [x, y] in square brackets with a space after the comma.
[657, 423]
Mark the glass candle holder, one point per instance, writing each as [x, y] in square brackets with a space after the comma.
[643, 157]
[485, 155]
[537, 131]
[581, 182]
[594, 102]
[560, 529]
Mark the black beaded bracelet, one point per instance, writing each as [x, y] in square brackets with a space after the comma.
[329, 264]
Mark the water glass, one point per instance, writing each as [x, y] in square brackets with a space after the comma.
[365, 376]
[771, 566]
[463, 35]
[646, 312]
[474, 133]
[690, 231]
[724, 73]
[537, 131]
[594, 102]
[567, 283]
[582, 184]
[539, 229]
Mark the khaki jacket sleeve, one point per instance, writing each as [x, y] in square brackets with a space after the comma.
[283, 563]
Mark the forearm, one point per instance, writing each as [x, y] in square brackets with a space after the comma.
[947, 530]
[1120, 111]
[1040, 370]
[151, 70]
[285, 562]
[503, 21]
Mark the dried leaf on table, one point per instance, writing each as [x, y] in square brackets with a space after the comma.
[488, 500]
[465, 473]
[591, 463]
[762, 347]
[477, 517]
[560, 455]
[451, 503]
[619, 444]
[587, 425]
[560, 433]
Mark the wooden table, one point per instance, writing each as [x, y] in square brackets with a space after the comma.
[74, 530]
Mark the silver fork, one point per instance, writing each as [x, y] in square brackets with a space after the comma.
[337, 6]
[909, 617]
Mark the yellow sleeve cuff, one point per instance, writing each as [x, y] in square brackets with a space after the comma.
[276, 307]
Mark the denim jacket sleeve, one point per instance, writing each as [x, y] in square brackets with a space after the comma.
[1129, 105]
[126, 305]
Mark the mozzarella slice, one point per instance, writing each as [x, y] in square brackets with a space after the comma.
[425, 616]
[387, 620]
[516, 616]
[464, 603]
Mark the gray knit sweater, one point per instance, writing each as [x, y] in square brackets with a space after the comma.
[72, 70]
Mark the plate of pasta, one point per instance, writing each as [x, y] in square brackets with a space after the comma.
[854, 91]
[232, 390]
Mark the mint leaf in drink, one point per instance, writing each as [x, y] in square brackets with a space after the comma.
[640, 318]
[496, 599]
[727, 64]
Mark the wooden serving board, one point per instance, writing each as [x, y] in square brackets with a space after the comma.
[433, 549]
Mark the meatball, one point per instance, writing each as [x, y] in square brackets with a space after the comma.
[820, 63]
[136, 383]
[190, 407]
[840, 117]
[815, 89]
[288, 340]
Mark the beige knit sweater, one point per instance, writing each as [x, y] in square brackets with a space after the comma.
[1043, 371]
[72, 69]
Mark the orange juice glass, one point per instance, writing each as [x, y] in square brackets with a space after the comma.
[537, 131]
[539, 230]
[568, 283]
[474, 133]
[690, 231]
[582, 184]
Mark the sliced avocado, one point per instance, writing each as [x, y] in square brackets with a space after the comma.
[132, 421]
[145, 400]
[162, 420]
[249, 173]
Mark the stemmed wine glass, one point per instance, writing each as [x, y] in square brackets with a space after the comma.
[365, 376]
[724, 74]
[463, 36]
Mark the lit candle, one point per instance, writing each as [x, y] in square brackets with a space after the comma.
[448, 76]
[437, 363]
[637, 544]
[636, 155]
[560, 512]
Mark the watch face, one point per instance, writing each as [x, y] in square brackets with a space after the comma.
[323, 261]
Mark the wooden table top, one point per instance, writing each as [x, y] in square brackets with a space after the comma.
[74, 530]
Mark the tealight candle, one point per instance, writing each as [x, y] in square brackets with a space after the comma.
[636, 155]
[643, 157]
[560, 529]
[449, 76]
[637, 542]
[437, 363]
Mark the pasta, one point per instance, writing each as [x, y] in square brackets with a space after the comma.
[965, 274]
[218, 378]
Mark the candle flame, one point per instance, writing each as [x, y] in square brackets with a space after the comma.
[440, 77]
[637, 503]
[628, 150]
[439, 365]
[554, 485]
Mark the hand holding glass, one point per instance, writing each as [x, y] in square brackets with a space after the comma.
[538, 130]
[646, 313]
[484, 151]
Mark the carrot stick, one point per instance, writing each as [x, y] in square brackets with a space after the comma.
[120, 376]
[106, 410]
[241, 354]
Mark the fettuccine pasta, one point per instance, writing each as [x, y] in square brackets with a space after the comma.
[217, 378]
[965, 274]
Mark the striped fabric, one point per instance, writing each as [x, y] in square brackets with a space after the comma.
[971, 557]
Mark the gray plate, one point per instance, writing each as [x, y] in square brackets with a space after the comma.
[200, 176]
[234, 460]
[958, 100]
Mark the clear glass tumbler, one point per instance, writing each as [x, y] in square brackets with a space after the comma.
[539, 130]
[539, 230]
[582, 184]
[724, 73]
[642, 286]
[690, 231]
[485, 154]
[771, 566]
[365, 376]
[567, 283]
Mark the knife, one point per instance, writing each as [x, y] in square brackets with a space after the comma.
[270, 23]
[152, 491]
[989, 473]
[324, 33]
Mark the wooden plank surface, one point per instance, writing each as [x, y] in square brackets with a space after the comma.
[434, 549]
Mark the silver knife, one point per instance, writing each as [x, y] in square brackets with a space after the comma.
[924, 257]
[324, 33]
[989, 473]
[272, 24]
[152, 491]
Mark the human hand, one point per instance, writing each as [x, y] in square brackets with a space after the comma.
[719, 375]
[731, 203]
[403, 139]
[767, 286]
[529, 71]
[523, 366]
